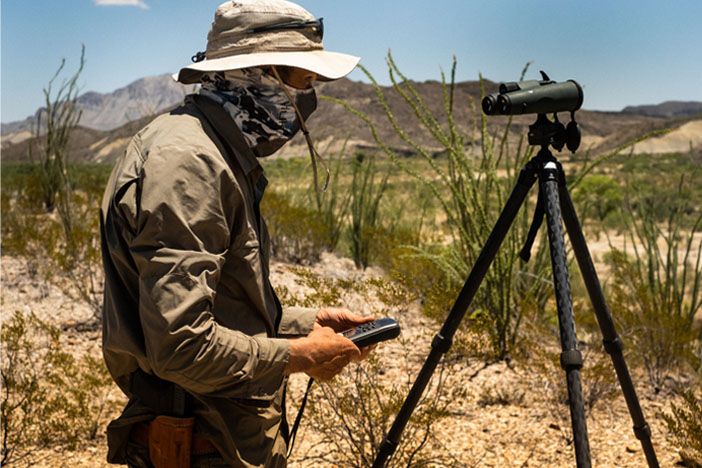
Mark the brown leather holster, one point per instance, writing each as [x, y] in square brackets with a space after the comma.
[170, 441]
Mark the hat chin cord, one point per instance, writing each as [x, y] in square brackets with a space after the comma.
[314, 155]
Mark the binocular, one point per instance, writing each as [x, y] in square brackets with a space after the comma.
[534, 97]
[541, 97]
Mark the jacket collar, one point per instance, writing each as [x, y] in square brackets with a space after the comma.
[228, 131]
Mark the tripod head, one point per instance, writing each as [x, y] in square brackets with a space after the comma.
[546, 132]
[541, 97]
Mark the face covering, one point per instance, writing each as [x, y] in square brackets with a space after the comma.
[260, 106]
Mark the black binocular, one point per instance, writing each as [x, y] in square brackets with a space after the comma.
[541, 97]
[534, 97]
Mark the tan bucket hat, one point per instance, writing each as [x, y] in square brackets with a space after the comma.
[252, 33]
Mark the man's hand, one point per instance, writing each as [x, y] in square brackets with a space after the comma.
[339, 319]
[322, 354]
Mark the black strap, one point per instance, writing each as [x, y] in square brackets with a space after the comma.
[298, 418]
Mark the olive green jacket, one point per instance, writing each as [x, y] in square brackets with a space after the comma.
[187, 295]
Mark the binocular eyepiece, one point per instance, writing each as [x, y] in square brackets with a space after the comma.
[534, 97]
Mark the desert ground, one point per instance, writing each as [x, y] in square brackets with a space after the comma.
[521, 428]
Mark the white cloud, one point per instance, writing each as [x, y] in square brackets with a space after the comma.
[137, 3]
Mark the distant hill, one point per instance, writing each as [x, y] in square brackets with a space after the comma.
[107, 111]
[332, 124]
[667, 109]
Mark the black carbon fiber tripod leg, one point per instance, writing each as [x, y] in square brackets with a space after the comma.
[571, 359]
[612, 342]
[443, 340]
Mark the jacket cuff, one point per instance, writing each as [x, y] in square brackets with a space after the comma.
[297, 321]
[273, 357]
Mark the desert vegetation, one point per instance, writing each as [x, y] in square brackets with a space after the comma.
[411, 228]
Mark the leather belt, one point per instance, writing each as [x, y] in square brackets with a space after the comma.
[140, 435]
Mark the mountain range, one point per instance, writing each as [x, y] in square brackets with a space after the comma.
[667, 109]
[109, 120]
[107, 111]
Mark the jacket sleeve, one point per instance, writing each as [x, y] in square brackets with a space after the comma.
[189, 203]
[297, 321]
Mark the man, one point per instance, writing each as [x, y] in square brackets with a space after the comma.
[192, 331]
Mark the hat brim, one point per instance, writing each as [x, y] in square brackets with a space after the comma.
[327, 65]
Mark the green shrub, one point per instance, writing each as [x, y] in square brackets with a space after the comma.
[657, 338]
[685, 424]
[333, 204]
[365, 194]
[325, 292]
[297, 234]
[355, 411]
[27, 232]
[49, 398]
[656, 288]
[63, 247]
[598, 197]
[503, 395]
[337, 292]
[55, 123]
[21, 184]
[655, 180]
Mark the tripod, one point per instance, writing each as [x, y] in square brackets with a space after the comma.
[555, 203]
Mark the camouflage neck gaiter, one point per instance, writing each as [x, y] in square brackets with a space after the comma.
[259, 107]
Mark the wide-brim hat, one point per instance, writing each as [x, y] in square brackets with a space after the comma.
[254, 33]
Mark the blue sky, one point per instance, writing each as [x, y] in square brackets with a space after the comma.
[623, 52]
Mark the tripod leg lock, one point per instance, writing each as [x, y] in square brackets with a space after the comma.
[386, 451]
[643, 432]
[571, 359]
[614, 346]
[441, 344]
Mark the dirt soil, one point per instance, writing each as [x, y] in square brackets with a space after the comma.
[529, 431]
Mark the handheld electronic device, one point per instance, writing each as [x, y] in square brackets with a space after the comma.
[373, 332]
